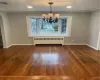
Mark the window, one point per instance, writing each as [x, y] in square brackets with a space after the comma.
[64, 25]
[47, 27]
[40, 28]
[34, 25]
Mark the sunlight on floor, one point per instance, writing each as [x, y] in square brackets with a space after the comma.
[49, 59]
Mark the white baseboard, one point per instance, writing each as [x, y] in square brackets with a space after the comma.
[21, 44]
[64, 44]
[75, 44]
[82, 44]
[92, 47]
[16, 45]
[7, 46]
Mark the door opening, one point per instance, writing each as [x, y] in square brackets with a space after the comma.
[1, 41]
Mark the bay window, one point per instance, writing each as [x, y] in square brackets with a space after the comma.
[37, 27]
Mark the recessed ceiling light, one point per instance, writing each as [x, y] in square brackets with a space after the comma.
[68, 7]
[29, 7]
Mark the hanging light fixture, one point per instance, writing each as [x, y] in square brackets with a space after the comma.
[50, 17]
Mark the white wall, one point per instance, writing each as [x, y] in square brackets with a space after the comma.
[5, 29]
[85, 28]
[18, 26]
[94, 29]
[79, 32]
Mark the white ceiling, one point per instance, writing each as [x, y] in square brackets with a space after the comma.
[42, 5]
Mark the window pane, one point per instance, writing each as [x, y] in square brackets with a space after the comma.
[63, 25]
[47, 27]
[44, 28]
[34, 24]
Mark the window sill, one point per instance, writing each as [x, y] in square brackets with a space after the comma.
[50, 35]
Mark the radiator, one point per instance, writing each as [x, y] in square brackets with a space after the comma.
[48, 40]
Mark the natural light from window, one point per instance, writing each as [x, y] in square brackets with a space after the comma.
[46, 58]
[40, 28]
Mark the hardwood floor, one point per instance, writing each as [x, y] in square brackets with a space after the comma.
[49, 62]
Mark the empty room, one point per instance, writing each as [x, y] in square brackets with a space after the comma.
[49, 39]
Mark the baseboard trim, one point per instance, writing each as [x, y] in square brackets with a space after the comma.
[21, 44]
[16, 45]
[92, 47]
[64, 44]
[7, 46]
[75, 44]
[33, 44]
[82, 44]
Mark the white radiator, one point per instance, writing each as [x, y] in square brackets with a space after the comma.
[48, 40]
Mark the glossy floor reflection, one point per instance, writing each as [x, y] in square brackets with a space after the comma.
[50, 61]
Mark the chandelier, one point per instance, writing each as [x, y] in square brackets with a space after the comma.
[50, 17]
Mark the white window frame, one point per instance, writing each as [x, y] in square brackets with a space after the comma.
[68, 29]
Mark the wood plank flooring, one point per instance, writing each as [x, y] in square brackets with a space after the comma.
[49, 62]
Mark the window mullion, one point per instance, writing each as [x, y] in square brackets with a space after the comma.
[66, 25]
[59, 26]
[38, 27]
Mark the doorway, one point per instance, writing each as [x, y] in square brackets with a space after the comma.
[1, 41]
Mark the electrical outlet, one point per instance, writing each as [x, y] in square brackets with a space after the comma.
[73, 40]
